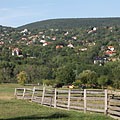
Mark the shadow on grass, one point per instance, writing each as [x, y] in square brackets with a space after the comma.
[36, 117]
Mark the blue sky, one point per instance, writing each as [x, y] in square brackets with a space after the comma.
[20, 12]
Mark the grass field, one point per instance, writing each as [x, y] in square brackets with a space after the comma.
[12, 109]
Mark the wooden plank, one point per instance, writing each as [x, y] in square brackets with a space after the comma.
[63, 91]
[61, 105]
[50, 90]
[95, 92]
[27, 93]
[95, 105]
[20, 94]
[115, 101]
[115, 117]
[114, 108]
[59, 96]
[37, 89]
[113, 92]
[77, 92]
[76, 98]
[40, 93]
[77, 103]
[49, 95]
[29, 89]
[95, 110]
[113, 112]
[62, 101]
[95, 98]
[76, 107]
[38, 97]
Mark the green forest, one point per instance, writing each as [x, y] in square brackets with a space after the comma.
[70, 51]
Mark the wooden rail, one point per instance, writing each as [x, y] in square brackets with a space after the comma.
[107, 102]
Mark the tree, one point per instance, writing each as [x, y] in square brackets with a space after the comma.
[103, 80]
[66, 75]
[88, 77]
[116, 77]
[22, 78]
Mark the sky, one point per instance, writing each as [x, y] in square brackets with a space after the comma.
[16, 13]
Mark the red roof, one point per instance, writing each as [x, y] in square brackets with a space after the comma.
[110, 52]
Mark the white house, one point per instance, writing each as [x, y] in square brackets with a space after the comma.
[70, 45]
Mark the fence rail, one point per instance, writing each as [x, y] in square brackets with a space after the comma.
[107, 102]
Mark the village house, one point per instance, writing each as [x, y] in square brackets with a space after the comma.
[54, 38]
[59, 46]
[23, 38]
[70, 45]
[1, 43]
[16, 51]
[94, 29]
[42, 41]
[111, 48]
[24, 31]
[45, 43]
[83, 49]
[74, 37]
[29, 42]
[66, 33]
[110, 51]
[100, 60]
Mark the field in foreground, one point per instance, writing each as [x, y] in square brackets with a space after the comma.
[12, 109]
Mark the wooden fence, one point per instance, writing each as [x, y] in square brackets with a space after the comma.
[104, 101]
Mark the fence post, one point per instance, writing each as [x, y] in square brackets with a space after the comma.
[33, 93]
[69, 91]
[43, 95]
[15, 94]
[85, 101]
[55, 98]
[106, 102]
[24, 93]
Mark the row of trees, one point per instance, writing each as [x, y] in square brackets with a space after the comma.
[88, 75]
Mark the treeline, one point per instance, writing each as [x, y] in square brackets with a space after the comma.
[72, 23]
[60, 66]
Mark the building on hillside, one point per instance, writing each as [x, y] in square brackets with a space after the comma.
[24, 31]
[74, 37]
[100, 60]
[45, 43]
[29, 42]
[42, 41]
[16, 51]
[111, 48]
[70, 45]
[59, 46]
[110, 53]
[83, 49]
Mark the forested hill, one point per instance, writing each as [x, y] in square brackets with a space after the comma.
[72, 23]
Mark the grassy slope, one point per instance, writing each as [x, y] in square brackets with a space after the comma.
[12, 109]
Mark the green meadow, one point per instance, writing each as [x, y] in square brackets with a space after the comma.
[13, 109]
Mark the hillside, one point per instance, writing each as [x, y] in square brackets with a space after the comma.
[72, 23]
[63, 55]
